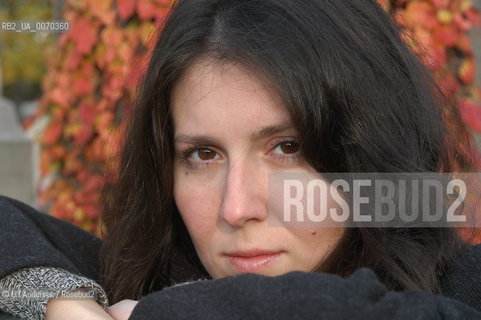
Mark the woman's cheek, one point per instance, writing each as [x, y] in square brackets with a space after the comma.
[197, 202]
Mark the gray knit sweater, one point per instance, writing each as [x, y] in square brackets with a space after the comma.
[39, 251]
[25, 293]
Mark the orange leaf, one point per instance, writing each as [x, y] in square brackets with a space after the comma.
[87, 112]
[52, 133]
[126, 8]
[440, 3]
[60, 96]
[112, 36]
[148, 9]
[102, 10]
[446, 34]
[84, 35]
[73, 60]
[420, 13]
[57, 152]
[82, 84]
[467, 70]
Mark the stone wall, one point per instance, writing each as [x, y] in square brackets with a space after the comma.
[16, 157]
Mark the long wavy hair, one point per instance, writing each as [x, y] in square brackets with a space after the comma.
[358, 97]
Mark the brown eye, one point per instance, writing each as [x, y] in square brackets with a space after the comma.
[204, 154]
[288, 147]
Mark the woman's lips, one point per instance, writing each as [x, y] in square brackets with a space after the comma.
[253, 261]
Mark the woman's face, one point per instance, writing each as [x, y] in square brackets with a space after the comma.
[231, 131]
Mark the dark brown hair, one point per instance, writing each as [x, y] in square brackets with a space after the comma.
[359, 99]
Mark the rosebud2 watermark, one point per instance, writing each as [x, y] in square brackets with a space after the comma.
[375, 200]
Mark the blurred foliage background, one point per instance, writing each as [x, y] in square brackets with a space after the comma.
[22, 55]
[86, 81]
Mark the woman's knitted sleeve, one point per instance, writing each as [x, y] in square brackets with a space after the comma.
[26, 292]
[40, 251]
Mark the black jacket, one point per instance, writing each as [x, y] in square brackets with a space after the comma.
[29, 238]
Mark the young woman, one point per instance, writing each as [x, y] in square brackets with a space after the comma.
[235, 91]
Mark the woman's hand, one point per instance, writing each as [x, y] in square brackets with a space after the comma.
[75, 310]
[122, 309]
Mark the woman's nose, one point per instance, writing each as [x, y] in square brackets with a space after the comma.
[245, 194]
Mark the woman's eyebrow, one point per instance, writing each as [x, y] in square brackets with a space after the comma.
[196, 140]
[271, 130]
[262, 133]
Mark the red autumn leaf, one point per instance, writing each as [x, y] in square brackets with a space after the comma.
[112, 89]
[125, 51]
[73, 61]
[145, 9]
[126, 8]
[52, 133]
[110, 55]
[149, 9]
[420, 13]
[137, 72]
[471, 114]
[63, 209]
[87, 112]
[440, 3]
[111, 36]
[102, 10]
[82, 84]
[105, 104]
[84, 34]
[446, 34]
[57, 152]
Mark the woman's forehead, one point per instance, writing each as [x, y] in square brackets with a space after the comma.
[227, 94]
